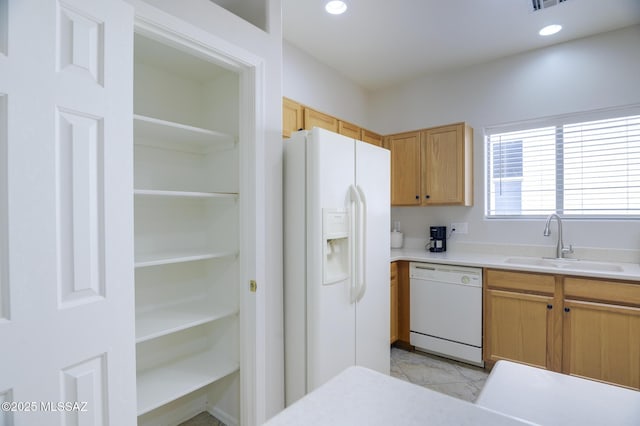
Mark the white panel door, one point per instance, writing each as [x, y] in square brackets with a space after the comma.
[372, 309]
[330, 312]
[67, 321]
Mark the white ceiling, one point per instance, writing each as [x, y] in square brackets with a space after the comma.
[378, 43]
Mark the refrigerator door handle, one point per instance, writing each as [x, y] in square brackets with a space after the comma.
[362, 242]
[355, 242]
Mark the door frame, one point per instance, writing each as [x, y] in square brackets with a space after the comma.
[154, 23]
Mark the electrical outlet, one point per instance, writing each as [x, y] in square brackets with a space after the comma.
[460, 228]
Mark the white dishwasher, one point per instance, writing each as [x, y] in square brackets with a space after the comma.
[446, 310]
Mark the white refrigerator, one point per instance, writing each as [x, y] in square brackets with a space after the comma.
[336, 259]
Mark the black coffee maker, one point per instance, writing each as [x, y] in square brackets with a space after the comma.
[437, 238]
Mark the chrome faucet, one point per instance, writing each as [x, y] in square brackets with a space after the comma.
[561, 250]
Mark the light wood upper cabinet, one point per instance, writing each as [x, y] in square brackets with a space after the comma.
[371, 137]
[432, 167]
[447, 169]
[356, 132]
[313, 118]
[296, 116]
[601, 331]
[348, 129]
[292, 117]
[393, 332]
[405, 168]
[519, 319]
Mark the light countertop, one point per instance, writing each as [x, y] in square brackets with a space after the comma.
[359, 396]
[629, 271]
[550, 398]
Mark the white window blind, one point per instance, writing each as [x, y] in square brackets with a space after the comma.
[570, 167]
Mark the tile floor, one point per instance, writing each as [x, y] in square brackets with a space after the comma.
[202, 419]
[453, 378]
[443, 375]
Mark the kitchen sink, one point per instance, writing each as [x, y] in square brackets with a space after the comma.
[575, 264]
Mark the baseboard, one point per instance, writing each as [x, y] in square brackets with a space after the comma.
[223, 417]
[400, 344]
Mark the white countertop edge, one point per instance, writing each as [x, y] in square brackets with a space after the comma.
[631, 271]
[554, 398]
[360, 396]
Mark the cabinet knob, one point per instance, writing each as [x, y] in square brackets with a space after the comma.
[549, 306]
[567, 309]
[417, 197]
[427, 196]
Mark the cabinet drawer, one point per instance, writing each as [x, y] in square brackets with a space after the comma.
[520, 281]
[602, 290]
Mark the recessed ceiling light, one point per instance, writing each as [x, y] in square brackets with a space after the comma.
[336, 7]
[550, 29]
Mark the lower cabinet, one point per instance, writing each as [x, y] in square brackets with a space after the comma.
[520, 318]
[393, 332]
[601, 331]
[519, 327]
[404, 339]
[583, 327]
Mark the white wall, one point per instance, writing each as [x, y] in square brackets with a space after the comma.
[587, 74]
[598, 72]
[268, 46]
[320, 87]
[593, 73]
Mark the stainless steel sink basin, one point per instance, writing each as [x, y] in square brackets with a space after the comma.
[574, 264]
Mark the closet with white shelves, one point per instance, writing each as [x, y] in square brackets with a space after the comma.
[186, 231]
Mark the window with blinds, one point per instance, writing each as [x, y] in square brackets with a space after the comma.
[569, 167]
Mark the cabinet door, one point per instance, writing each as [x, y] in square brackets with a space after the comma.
[394, 302]
[313, 118]
[405, 169]
[370, 137]
[349, 130]
[602, 342]
[404, 312]
[291, 117]
[443, 165]
[518, 327]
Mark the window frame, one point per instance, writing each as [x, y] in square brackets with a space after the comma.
[558, 122]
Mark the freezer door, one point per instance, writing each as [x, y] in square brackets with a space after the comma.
[330, 313]
[372, 309]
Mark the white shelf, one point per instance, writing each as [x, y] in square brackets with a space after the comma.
[161, 385]
[160, 322]
[167, 134]
[156, 259]
[183, 194]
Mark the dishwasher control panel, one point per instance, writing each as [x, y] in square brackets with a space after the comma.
[446, 273]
